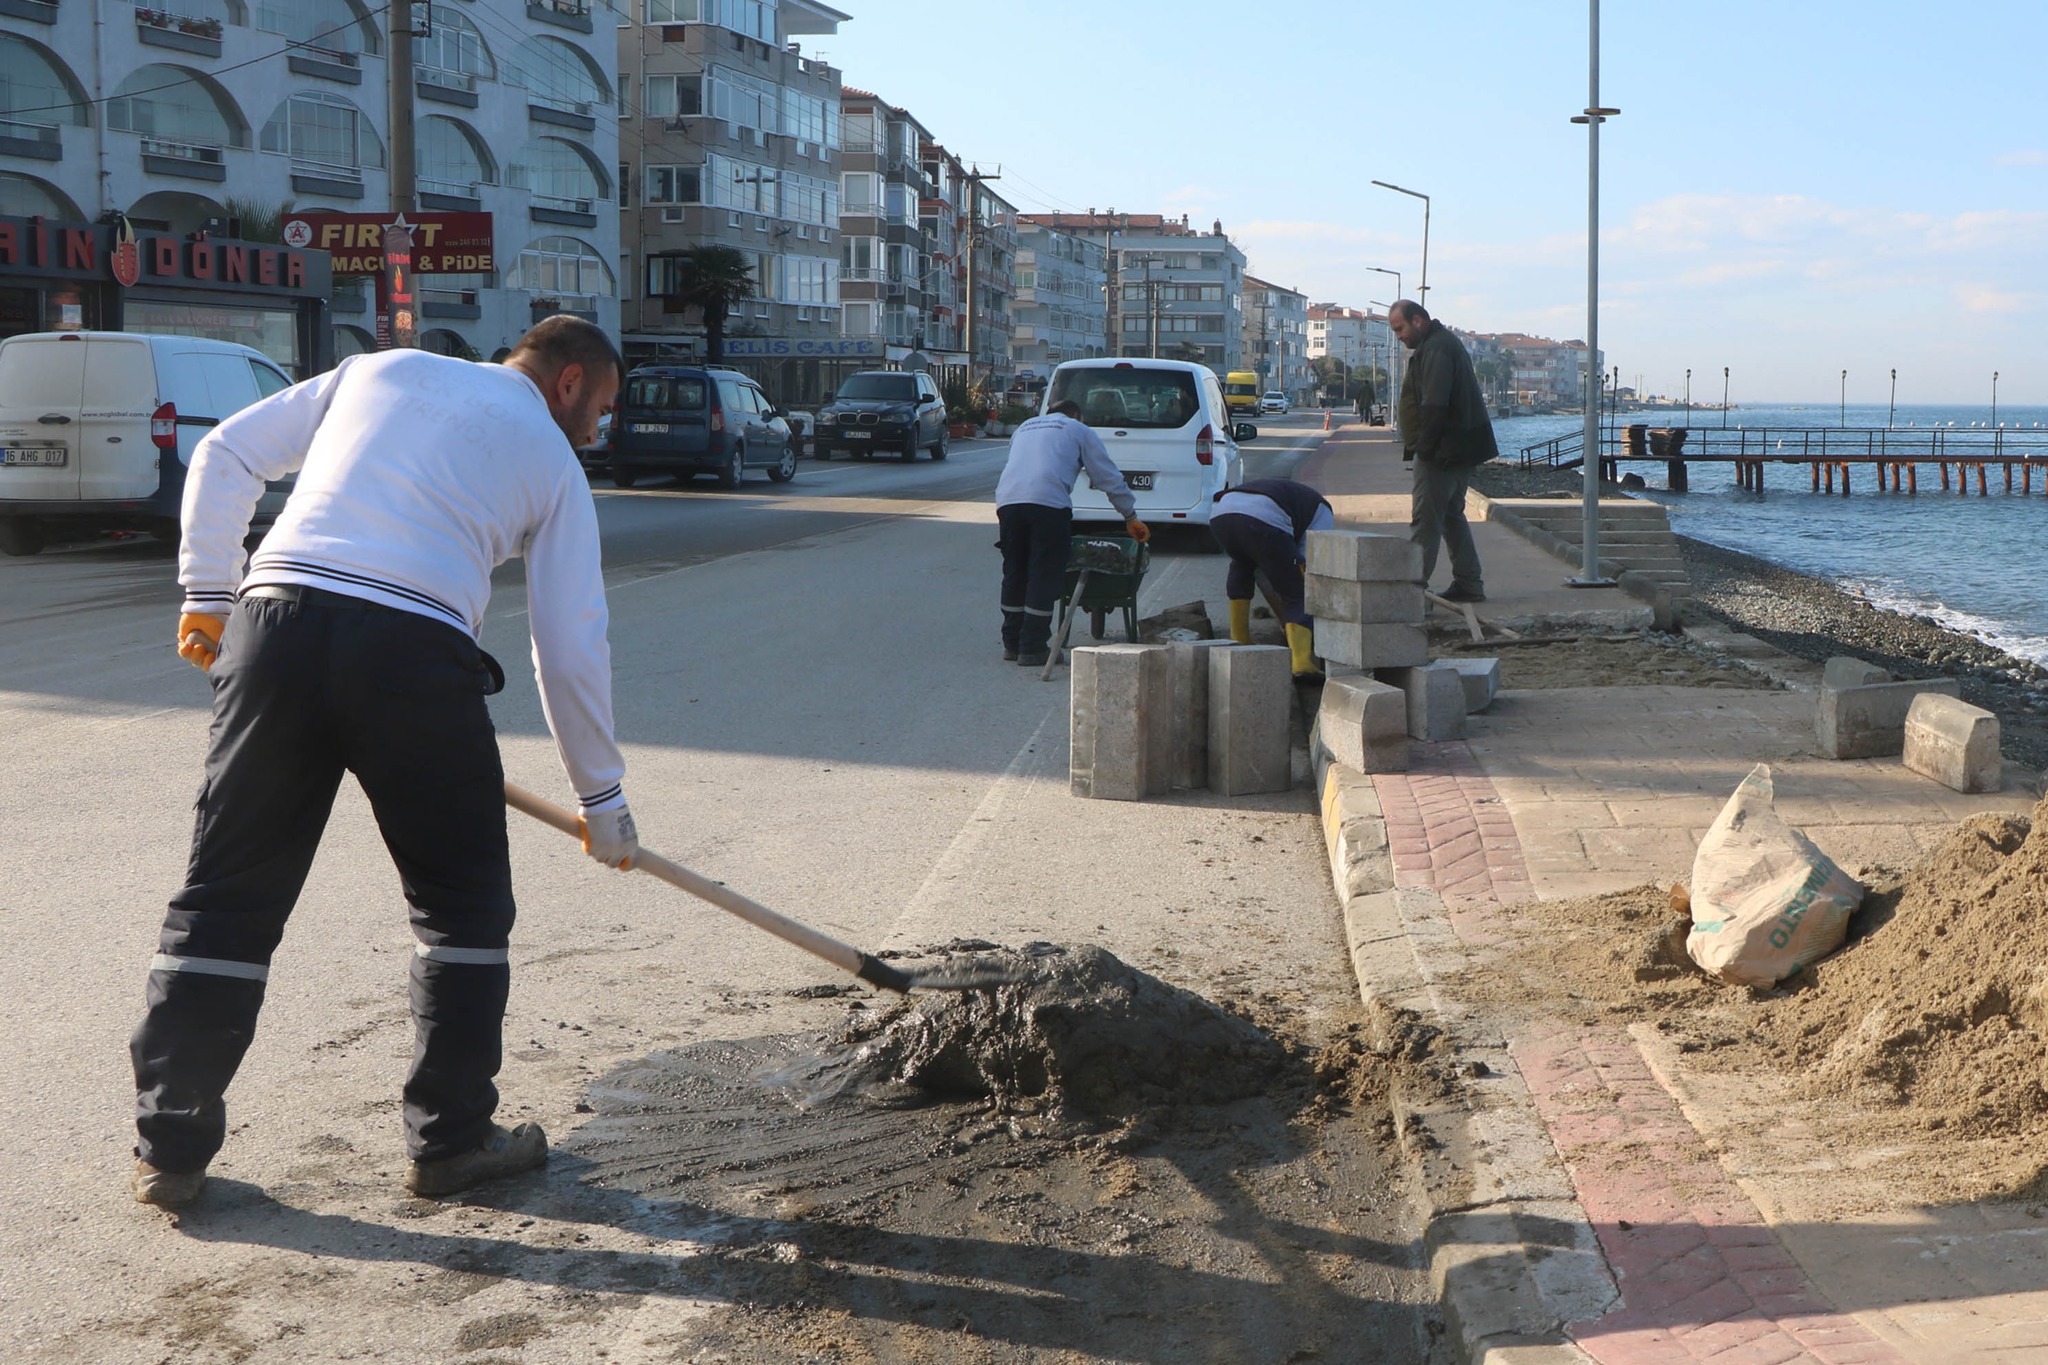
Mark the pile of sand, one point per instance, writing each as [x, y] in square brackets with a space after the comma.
[1082, 1035]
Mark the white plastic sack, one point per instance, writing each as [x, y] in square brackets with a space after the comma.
[1765, 901]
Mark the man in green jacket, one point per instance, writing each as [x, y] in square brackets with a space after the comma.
[1445, 428]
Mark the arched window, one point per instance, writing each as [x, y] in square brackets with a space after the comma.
[561, 265]
[558, 171]
[441, 341]
[454, 45]
[36, 86]
[558, 74]
[24, 196]
[178, 211]
[450, 158]
[177, 105]
[320, 129]
[350, 341]
[336, 25]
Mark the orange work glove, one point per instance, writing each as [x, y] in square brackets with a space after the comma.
[609, 837]
[199, 638]
[1140, 532]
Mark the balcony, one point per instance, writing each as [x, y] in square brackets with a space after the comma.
[327, 179]
[453, 195]
[458, 304]
[35, 11]
[548, 208]
[180, 32]
[184, 160]
[36, 141]
[344, 68]
[575, 305]
[570, 14]
[560, 113]
[443, 86]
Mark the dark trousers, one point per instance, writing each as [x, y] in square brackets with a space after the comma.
[1437, 516]
[1257, 550]
[1034, 541]
[302, 692]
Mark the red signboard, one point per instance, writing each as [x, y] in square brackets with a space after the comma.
[443, 243]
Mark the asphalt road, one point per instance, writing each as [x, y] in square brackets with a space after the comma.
[814, 710]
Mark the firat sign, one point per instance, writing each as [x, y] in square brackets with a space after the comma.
[66, 250]
[442, 243]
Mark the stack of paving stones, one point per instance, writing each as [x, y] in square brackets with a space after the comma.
[1147, 720]
[1365, 593]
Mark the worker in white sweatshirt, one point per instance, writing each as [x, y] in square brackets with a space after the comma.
[350, 645]
[1035, 520]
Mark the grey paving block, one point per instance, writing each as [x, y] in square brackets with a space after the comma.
[1120, 719]
[1436, 699]
[1187, 668]
[1954, 743]
[1345, 599]
[1870, 721]
[1481, 678]
[1363, 724]
[1843, 671]
[1364, 645]
[1250, 696]
[1363, 557]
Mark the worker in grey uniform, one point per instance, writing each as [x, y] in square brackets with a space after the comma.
[1263, 525]
[350, 644]
[1035, 520]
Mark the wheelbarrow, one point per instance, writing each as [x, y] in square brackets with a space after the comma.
[1103, 575]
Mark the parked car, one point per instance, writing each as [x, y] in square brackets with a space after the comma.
[97, 429]
[698, 419]
[1167, 426]
[1273, 401]
[882, 410]
[598, 454]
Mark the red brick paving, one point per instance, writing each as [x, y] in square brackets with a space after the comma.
[1447, 828]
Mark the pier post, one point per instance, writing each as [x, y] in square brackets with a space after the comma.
[1816, 476]
[1676, 480]
[1942, 465]
[1912, 479]
[2008, 476]
[1982, 491]
[1845, 478]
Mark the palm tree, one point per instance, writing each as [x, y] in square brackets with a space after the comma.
[715, 279]
[261, 222]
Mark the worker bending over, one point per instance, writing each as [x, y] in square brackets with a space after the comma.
[350, 645]
[1035, 520]
[1263, 525]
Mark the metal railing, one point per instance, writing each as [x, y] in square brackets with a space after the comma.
[198, 25]
[1797, 444]
[456, 189]
[327, 170]
[550, 201]
[333, 56]
[582, 107]
[23, 131]
[445, 76]
[184, 151]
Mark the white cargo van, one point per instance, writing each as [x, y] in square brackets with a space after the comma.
[1166, 425]
[96, 429]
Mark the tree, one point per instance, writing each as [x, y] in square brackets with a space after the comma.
[1493, 373]
[260, 222]
[715, 279]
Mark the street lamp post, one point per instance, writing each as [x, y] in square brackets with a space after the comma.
[1393, 348]
[1845, 398]
[1724, 398]
[1421, 290]
[1688, 398]
[1595, 114]
[1994, 401]
[1893, 410]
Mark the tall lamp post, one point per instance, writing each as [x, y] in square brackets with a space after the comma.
[1595, 114]
[1893, 410]
[1393, 347]
[1421, 290]
[1688, 398]
[1724, 398]
[1845, 398]
[1994, 401]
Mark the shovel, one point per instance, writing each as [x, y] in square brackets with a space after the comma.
[844, 956]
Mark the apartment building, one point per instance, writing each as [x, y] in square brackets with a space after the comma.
[733, 138]
[1357, 338]
[1174, 291]
[1276, 339]
[886, 298]
[166, 116]
[1543, 373]
[1062, 281]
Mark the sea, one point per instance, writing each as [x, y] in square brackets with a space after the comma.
[1975, 564]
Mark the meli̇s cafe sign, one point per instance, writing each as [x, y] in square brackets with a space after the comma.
[442, 243]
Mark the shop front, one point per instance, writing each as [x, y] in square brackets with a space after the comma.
[57, 277]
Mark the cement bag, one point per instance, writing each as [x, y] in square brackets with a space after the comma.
[1765, 901]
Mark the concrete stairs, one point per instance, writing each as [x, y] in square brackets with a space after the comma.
[1636, 544]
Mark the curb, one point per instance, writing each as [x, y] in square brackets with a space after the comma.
[1512, 1255]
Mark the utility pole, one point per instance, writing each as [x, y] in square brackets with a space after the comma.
[974, 180]
[396, 316]
[1112, 321]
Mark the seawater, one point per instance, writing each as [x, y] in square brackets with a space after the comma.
[1977, 565]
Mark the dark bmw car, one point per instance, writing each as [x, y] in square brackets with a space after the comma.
[698, 419]
[884, 411]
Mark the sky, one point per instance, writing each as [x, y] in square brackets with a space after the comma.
[1793, 189]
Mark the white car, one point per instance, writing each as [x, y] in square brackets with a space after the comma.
[1165, 425]
[96, 428]
[1273, 401]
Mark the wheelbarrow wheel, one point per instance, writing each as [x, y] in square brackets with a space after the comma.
[1097, 616]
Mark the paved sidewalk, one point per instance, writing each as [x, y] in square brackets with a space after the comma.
[1592, 1202]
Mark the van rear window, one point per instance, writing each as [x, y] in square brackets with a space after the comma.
[656, 391]
[1134, 397]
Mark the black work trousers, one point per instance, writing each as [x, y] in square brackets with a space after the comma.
[1034, 541]
[1258, 549]
[304, 691]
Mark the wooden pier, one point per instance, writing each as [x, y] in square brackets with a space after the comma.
[1890, 458]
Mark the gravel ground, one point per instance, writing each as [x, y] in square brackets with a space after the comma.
[1811, 618]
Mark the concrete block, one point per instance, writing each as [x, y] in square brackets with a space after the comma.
[1954, 743]
[1436, 699]
[1870, 721]
[1345, 599]
[1251, 693]
[1364, 558]
[1121, 722]
[1481, 678]
[1363, 724]
[1187, 671]
[1842, 671]
[1371, 645]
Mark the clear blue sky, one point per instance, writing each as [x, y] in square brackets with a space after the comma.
[1794, 188]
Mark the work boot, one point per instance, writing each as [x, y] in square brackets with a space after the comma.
[1028, 660]
[507, 1151]
[1010, 653]
[1241, 620]
[167, 1189]
[1301, 646]
[1457, 593]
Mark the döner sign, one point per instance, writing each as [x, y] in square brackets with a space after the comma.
[68, 251]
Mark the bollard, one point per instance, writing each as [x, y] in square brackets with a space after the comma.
[1326, 419]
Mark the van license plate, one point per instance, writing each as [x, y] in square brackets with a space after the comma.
[36, 455]
[1140, 483]
[656, 428]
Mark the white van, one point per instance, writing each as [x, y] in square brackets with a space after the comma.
[96, 429]
[1166, 427]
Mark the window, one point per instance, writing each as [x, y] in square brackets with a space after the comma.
[673, 96]
[746, 18]
[674, 185]
[186, 111]
[860, 192]
[560, 265]
[1135, 397]
[557, 74]
[555, 169]
[657, 391]
[449, 158]
[323, 130]
[34, 84]
[336, 25]
[268, 381]
[625, 185]
[454, 45]
[899, 388]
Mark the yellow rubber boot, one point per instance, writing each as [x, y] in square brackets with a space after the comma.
[1241, 620]
[1301, 644]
